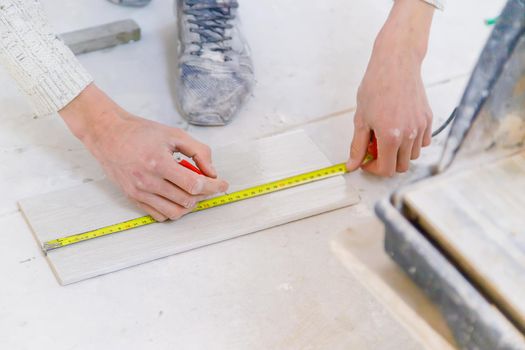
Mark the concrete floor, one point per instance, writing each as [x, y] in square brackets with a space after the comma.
[319, 283]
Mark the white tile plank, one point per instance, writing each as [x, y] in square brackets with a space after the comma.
[98, 204]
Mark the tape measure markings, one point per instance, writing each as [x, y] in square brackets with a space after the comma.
[228, 198]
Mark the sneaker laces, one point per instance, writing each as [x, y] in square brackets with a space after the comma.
[211, 20]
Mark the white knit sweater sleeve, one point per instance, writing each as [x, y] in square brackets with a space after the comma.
[42, 65]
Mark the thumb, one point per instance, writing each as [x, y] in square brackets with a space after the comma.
[200, 153]
[358, 148]
[204, 162]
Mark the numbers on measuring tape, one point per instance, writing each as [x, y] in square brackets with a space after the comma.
[205, 204]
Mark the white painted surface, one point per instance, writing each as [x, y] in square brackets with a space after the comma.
[309, 56]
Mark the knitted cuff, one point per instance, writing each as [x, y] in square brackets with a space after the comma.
[42, 65]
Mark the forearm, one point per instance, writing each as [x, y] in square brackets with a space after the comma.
[43, 67]
[89, 114]
[407, 28]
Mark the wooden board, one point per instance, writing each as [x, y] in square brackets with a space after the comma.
[478, 216]
[98, 204]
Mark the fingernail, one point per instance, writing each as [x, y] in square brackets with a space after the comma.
[350, 165]
[224, 187]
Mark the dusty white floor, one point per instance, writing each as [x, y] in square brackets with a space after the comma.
[319, 283]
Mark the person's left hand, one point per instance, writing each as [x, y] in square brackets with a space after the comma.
[391, 100]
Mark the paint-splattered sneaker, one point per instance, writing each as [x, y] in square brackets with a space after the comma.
[215, 71]
[133, 3]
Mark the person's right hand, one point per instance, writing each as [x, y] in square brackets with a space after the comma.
[137, 154]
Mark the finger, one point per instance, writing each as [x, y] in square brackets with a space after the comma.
[403, 155]
[188, 180]
[200, 153]
[387, 147]
[154, 213]
[359, 146]
[176, 195]
[427, 135]
[168, 209]
[416, 147]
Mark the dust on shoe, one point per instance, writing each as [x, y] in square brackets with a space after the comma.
[215, 71]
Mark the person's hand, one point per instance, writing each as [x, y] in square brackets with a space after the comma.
[391, 100]
[137, 154]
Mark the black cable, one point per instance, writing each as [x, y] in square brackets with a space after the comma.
[445, 124]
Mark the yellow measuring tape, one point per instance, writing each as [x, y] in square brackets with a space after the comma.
[251, 192]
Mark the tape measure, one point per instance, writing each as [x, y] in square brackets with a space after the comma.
[233, 197]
